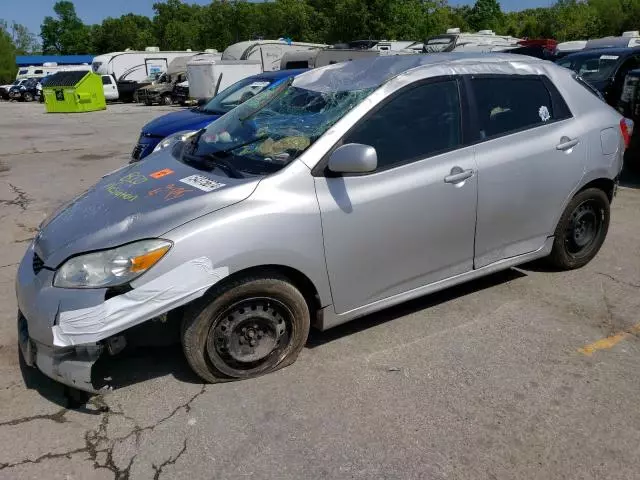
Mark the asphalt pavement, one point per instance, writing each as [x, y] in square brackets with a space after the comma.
[524, 374]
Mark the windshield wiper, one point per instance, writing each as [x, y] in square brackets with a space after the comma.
[222, 164]
[243, 144]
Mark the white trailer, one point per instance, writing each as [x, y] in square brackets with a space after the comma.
[136, 66]
[268, 52]
[207, 74]
[483, 41]
[46, 69]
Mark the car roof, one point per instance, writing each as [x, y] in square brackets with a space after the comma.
[373, 72]
[278, 74]
[621, 52]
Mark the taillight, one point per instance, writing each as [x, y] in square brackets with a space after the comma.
[626, 127]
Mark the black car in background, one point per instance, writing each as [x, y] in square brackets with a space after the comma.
[604, 69]
[28, 91]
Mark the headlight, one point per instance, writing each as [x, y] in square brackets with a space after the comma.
[111, 268]
[173, 139]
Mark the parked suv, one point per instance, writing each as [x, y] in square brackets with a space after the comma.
[161, 91]
[346, 190]
[605, 69]
[27, 91]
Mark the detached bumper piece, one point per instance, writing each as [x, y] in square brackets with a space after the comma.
[70, 366]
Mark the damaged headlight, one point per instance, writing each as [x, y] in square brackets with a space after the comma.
[173, 139]
[110, 268]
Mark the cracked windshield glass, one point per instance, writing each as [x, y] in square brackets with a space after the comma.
[270, 130]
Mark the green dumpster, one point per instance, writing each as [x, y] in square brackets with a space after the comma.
[76, 91]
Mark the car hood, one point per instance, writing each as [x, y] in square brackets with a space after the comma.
[177, 121]
[141, 200]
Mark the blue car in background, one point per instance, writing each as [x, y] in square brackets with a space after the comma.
[199, 117]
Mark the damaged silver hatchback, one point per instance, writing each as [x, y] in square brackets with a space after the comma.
[344, 191]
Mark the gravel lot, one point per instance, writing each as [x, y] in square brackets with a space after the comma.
[482, 381]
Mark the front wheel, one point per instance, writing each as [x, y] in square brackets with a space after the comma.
[245, 329]
[166, 100]
[581, 230]
[27, 97]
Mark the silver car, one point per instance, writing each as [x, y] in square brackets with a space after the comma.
[347, 190]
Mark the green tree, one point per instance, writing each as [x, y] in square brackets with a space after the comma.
[485, 15]
[128, 31]
[24, 41]
[66, 34]
[177, 25]
[7, 55]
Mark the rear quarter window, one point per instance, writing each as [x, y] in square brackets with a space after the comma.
[509, 104]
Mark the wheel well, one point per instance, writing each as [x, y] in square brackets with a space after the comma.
[296, 277]
[605, 184]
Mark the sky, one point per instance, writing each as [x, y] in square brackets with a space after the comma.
[93, 11]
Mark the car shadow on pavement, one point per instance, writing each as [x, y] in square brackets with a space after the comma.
[142, 363]
[318, 338]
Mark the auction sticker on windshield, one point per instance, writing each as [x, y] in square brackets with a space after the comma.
[202, 183]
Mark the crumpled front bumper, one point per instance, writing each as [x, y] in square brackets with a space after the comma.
[71, 366]
[38, 307]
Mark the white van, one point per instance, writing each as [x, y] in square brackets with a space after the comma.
[483, 41]
[47, 69]
[209, 74]
[268, 52]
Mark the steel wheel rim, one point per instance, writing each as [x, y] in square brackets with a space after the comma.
[249, 337]
[584, 227]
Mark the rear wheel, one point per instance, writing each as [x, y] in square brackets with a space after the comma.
[245, 329]
[27, 97]
[581, 230]
[166, 100]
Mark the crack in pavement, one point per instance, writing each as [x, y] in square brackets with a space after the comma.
[57, 417]
[9, 265]
[93, 439]
[37, 151]
[621, 282]
[21, 199]
[169, 461]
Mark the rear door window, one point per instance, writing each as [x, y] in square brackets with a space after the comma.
[509, 104]
[414, 125]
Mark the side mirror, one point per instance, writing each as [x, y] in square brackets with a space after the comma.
[353, 158]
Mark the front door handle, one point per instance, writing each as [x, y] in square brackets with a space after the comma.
[567, 144]
[458, 175]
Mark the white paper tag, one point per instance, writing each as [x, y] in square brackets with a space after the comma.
[260, 84]
[202, 183]
[545, 116]
[609, 57]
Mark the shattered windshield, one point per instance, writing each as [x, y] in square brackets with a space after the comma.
[270, 130]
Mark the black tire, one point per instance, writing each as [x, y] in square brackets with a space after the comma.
[267, 312]
[27, 97]
[166, 100]
[581, 230]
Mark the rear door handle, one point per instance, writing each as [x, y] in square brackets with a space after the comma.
[567, 144]
[458, 175]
